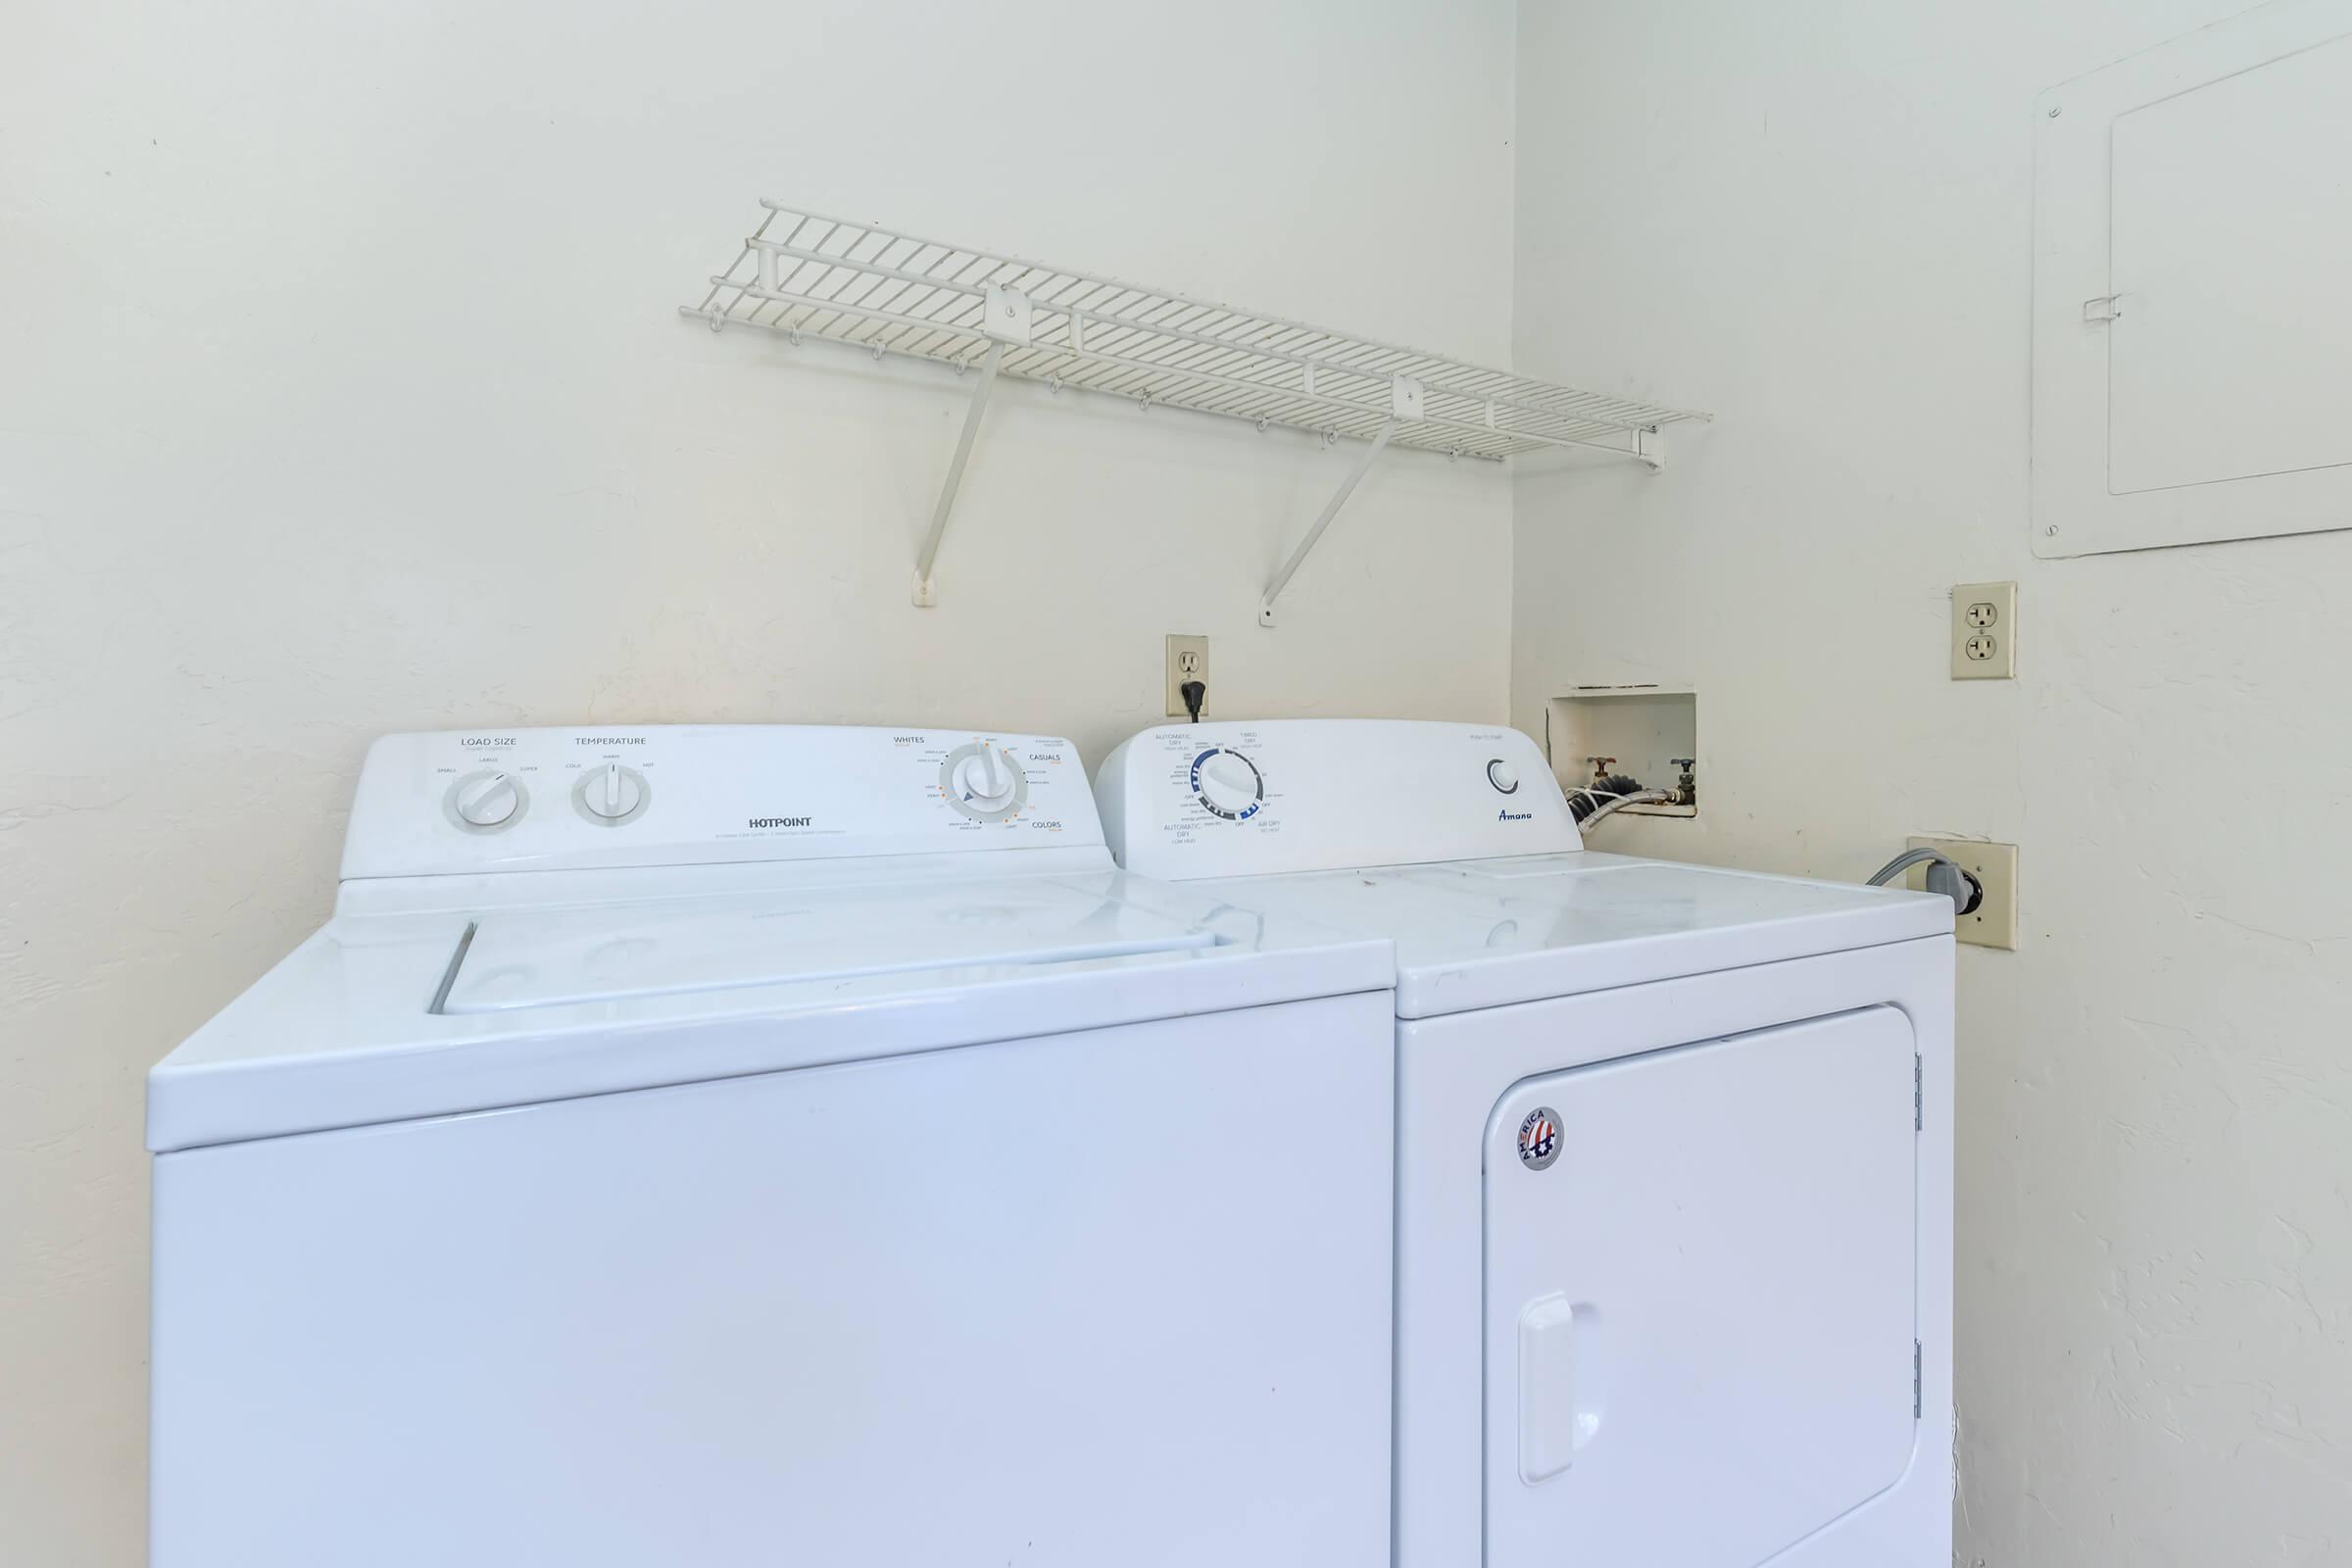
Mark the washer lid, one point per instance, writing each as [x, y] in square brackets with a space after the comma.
[523, 959]
[384, 1017]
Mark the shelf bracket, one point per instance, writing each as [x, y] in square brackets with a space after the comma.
[1331, 509]
[1006, 318]
[925, 595]
[955, 475]
[1650, 448]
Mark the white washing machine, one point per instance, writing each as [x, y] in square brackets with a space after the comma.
[733, 1146]
[1673, 1153]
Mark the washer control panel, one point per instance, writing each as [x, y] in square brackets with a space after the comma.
[1304, 794]
[460, 801]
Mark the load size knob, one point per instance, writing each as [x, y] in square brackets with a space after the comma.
[485, 802]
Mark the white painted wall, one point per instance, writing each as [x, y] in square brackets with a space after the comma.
[340, 392]
[1814, 217]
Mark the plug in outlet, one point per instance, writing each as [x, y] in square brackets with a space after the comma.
[1995, 924]
[1188, 659]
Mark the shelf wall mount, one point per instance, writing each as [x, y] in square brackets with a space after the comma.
[803, 274]
[1008, 324]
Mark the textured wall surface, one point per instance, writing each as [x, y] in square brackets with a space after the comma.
[341, 392]
[1815, 220]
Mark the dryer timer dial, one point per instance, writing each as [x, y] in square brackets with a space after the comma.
[1229, 784]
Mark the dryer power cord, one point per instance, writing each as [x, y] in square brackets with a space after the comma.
[1946, 876]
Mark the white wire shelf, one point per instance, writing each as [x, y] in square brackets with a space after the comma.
[803, 273]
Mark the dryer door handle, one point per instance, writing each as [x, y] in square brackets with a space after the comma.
[1559, 1384]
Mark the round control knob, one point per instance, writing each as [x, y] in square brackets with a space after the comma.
[485, 801]
[610, 794]
[984, 782]
[1229, 784]
[1503, 776]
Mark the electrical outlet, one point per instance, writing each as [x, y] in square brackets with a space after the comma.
[1995, 924]
[1984, 631]
[1188, 659]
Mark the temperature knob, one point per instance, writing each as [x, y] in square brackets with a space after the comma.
[485, 802]
[1229, 784]
[984, 782]
[610, 794]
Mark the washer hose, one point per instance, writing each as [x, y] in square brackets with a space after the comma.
[1618, 803]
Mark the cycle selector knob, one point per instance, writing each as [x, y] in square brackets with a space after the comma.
[1503, 776]
[610, 794]
[1228, 784]
[984, 782]
[485, 802]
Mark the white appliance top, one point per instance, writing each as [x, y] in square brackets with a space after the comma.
[1364, 827]
[725, 901]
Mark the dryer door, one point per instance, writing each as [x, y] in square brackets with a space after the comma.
[1699, 1296]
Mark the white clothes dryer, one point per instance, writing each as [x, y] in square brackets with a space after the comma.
[1674, 1152]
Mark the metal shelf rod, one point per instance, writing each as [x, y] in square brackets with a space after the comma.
[1433, 378]
[1152, 368]
[1097, 318]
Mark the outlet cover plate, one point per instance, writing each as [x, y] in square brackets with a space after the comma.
[1188, 659]
[1984, 631]
[1995, 924]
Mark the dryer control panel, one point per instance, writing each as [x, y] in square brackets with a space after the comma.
[1189, 800]
[491, 800]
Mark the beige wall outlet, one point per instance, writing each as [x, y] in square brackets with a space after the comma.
[1188, 659]
[1984, 631]
[1995, 924]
